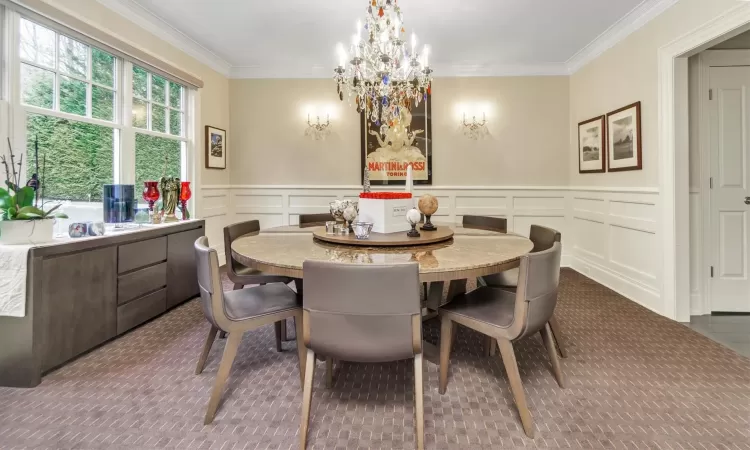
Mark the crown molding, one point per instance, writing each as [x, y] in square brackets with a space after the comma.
[454, 70]
[628, 24]
[163, 30]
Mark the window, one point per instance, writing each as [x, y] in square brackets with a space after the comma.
[157, 108]
[92, 118]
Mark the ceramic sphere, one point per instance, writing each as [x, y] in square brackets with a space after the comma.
[428, 204]
[413, 216]
[350, 213]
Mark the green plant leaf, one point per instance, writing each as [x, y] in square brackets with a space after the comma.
[25, 197]
[29, 212]
[28, 216]
[5, 201]
[58, 216]
[52, 210]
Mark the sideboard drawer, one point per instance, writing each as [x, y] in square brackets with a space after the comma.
[135, 284]
[139, 254]
[140, 310]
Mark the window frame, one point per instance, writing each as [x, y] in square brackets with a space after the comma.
[124, 132]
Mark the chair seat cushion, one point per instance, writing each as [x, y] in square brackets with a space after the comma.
[258, 301]
[508, 278]
[247, 275]
[486, 304]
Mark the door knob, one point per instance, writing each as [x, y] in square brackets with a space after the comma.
[747, 200]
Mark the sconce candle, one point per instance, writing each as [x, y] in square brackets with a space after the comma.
[318, 130]
[475, 130]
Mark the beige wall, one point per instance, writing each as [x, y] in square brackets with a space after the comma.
[214, 108]
[527, 116]
[627, 73]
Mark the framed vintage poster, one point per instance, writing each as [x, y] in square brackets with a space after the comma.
[388, 149]
[216, 148]
[591, 145]
[624, 139]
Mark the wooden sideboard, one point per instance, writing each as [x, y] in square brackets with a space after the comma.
[82, 293]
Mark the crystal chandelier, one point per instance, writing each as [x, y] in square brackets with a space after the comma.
[384, 73]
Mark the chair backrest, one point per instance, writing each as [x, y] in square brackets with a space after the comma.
[362, 312]
[497, 224]
[314, 220]
[536, 295]
[209, 282]
[543, 237]
[231, 233]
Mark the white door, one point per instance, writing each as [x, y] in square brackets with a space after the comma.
[730, 167]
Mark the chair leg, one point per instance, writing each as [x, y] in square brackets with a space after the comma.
[516, 387]
[223, 335]
[447, 329]
[419, 398]
[329, 373]
[550, 344]
[493, 347]
[301, 350]
[238, 286]
[487, 350]
[283, 330]
[307, 398]
[230, 351]
[557, 334]
[206, 349]
[277, 326]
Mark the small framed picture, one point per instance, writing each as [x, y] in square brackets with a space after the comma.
[591, 145]
[216, 148]
[624, 139]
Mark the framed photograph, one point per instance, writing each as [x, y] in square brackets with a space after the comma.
[388, 149]
[591, 145]
[624, 139]
[216, 148]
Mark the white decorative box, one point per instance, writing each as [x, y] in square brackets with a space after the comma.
[387, 216]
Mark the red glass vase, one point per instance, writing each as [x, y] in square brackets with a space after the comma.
[185, 195]
[151, 193]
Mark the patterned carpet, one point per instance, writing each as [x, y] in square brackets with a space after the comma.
[636, 380]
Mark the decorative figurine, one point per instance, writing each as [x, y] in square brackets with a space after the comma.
[170, 188]
[366, 180]
[428, 204]
[413, 216]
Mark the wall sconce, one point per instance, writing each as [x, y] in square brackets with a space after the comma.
[317, 130]
[475, 130]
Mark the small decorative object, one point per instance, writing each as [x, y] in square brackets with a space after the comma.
[362, 229]
[428, 204]
[84, 229]
[119, 203]
[22, 219]
[337, 210]
[185, 195]
[142, 216]
[170, 187]
[413, 217]
[331, 227]
[624, 139]
[591, 145]
[350, 214]
[475, 130]
[318, 131]
[216, 148]
[151, 193]
[366, 180]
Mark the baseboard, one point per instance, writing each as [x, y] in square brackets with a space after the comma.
[628, 288]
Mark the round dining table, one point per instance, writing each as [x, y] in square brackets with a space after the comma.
[471, 253]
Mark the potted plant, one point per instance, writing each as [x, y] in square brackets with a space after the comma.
[22, 220]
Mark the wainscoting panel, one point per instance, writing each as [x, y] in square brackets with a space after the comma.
[610, 235]
[217, 212]
[616, 241]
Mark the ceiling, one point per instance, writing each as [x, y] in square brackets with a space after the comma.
[297, 38]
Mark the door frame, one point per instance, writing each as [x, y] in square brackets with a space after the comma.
[674, 132]
[706, 60]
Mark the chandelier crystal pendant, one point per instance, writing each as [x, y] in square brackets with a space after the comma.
[384, 74]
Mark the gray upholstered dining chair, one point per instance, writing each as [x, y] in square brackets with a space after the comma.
[236, 312]
[242, 275]
[314, 220]
[498, 224]
[543, 238]
[509, 316]
[362, 313]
